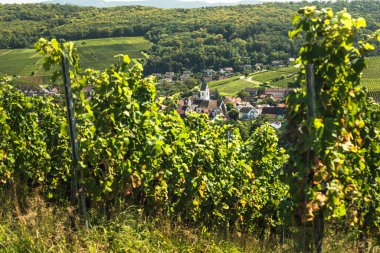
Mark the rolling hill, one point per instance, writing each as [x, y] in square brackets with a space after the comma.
[152, 3]
[279, 77]
[282, 77]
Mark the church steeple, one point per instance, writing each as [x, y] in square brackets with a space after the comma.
[205, 92]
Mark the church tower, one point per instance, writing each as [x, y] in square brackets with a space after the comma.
[205, 92]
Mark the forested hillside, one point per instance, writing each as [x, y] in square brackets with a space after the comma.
[191, 39]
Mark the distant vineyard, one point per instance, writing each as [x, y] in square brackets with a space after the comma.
[99, 53]
[371, 77]
[375, 94]
[371, 84]
[283, 77]
[279, 77]
[230, 86]
[96, 53]
[284, 82]
[275, 76]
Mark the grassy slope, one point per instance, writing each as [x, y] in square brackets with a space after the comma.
[272, 74]
[371, 75]
[230, 86]
[19, 62]
[370, 79]
[96, 53]
[99, 53]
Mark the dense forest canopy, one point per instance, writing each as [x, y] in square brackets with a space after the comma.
[192, 39]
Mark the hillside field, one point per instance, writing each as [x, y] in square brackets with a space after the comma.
[281, 77]
[230, 86]
[271, 76]
[278, 77]
[371, 75]
[99, 53]
[94, 53]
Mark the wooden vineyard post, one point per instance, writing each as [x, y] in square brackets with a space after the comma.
[76, 188]
[310, 83]
[319, 219]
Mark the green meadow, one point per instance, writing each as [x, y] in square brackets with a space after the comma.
[94, 53]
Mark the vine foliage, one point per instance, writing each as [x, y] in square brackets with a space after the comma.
[335, 155]
[137, 150]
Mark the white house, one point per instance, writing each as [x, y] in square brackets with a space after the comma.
[248, 113]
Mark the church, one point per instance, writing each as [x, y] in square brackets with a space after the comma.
[202, 103]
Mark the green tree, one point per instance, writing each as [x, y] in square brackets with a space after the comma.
[243, 94]
[233, 114]
[191, 83]
[230, 106]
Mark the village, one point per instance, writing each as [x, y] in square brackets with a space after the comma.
[266, 103]
[251, 103]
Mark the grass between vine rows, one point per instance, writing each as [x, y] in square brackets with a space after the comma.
[47, 228]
